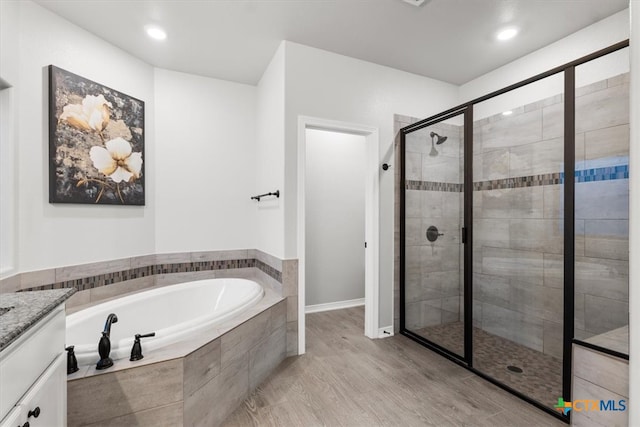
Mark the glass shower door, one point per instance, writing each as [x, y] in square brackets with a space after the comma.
[518, 239]
[433, 176]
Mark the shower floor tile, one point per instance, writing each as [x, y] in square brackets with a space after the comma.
[541, 377]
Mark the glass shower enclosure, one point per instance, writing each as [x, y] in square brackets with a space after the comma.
[514, 227]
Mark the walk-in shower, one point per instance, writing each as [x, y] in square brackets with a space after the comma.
[514, 234]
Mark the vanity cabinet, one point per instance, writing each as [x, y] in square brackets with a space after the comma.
[33, 376]
[44, 404]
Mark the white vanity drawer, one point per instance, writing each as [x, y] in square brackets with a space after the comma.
[22, 363]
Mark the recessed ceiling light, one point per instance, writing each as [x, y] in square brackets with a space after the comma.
[155, 32]
[507, 34]
[507, 113]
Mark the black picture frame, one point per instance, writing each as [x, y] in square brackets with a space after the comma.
[96, 143]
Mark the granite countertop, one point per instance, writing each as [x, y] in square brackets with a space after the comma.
[20, 310]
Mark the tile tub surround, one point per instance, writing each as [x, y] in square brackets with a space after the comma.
[19, 311]
[102, 280]
[80, 276]
[518, 217]
[199, 381]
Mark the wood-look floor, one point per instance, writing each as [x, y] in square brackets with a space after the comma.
[346, 379]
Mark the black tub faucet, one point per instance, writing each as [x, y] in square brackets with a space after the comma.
[104, 346]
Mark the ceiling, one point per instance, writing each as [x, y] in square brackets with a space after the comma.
[449, 40]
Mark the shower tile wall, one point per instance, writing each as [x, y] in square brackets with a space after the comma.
[433, 197]
[602, 207]
[518, 226]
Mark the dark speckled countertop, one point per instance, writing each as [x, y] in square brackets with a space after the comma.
[20, 310]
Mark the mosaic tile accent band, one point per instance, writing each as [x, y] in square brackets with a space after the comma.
[519, 182]
[602, 174]
[584, 175]
[268, 269]
[433, 186]
[91, 282]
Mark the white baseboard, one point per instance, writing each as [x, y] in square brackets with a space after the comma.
[334, 305]
[385, 332]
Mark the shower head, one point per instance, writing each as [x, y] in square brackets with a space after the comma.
[439, 140]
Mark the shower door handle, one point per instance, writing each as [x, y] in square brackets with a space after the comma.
[464, 235]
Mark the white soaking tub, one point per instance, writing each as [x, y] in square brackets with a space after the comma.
[172, 312]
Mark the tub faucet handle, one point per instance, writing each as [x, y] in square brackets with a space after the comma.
[136, 350]
[72, 362]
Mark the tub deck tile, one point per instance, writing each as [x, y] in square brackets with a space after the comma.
[237, 342]
[292, 339]
[119, 393]
[201, 366]
[266, 356]
[278, 315]
[212, 403]
[168, 415]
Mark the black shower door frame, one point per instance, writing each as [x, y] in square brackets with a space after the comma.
[466, 360]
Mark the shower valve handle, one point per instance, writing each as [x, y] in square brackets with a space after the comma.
[433, 233]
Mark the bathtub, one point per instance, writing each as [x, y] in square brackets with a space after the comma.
[172, 312]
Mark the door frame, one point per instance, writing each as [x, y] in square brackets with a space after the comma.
[372, 219]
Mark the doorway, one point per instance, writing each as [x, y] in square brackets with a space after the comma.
[313, 126]
[334, 188]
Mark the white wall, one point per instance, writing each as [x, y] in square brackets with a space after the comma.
[269, 149]
[588, 40]
[9, 73]
[597, 36]
[9, 43]
[56, 235]
[325, 85]
[634, 220]
[8, 217]
[335, 208]
[204, 146]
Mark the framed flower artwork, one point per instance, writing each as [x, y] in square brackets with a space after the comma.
[96, 142]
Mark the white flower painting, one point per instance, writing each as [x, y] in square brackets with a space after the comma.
[96, 142]
[117, 161]
[92, 114]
